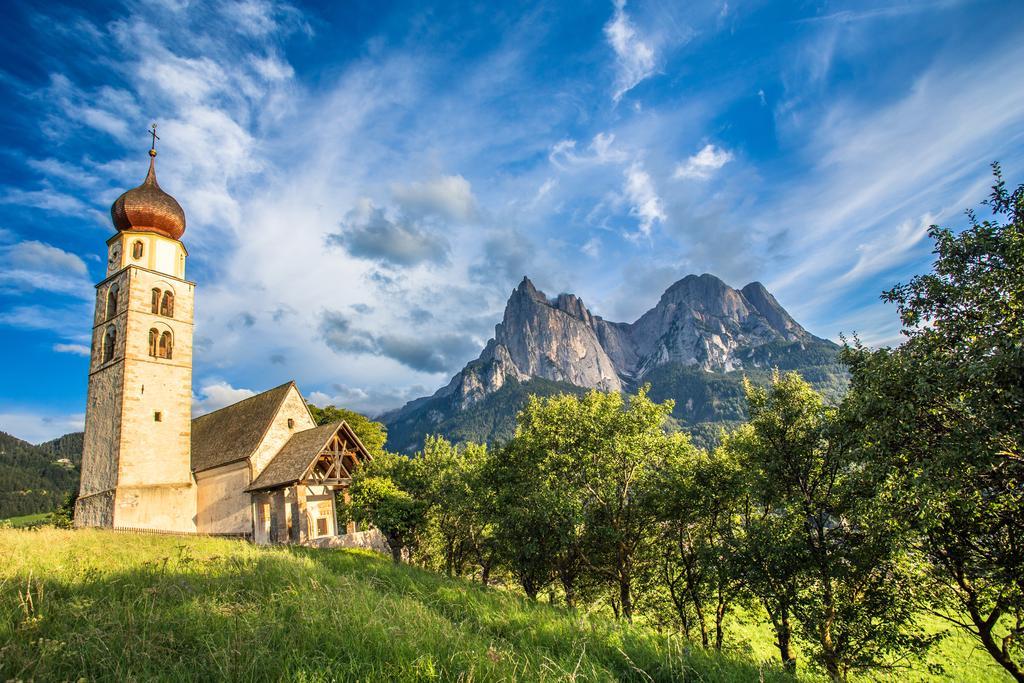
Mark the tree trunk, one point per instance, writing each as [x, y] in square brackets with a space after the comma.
[570, 593]
[396, 550]
[1001, 655]
[719, 630]
[828, 649]
[626, 597]
[693, 589]
[784, 631]
[485, 573]
[625, 583]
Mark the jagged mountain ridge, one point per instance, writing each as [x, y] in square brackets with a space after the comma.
[700, 325]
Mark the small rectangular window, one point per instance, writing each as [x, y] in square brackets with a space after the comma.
[158, 416]
[291, 423]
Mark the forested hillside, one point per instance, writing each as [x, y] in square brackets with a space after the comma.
[36, 478]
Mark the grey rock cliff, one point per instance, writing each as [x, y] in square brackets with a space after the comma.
[699, 321]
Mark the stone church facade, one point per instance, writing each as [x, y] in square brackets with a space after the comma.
[261, 468]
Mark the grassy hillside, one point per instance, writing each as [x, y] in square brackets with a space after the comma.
[110, 606]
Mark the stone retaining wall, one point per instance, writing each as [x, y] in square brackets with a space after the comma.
[367, 540]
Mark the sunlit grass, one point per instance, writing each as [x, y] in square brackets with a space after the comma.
[110, 606]
[25, 520]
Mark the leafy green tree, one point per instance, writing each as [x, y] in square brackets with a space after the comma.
[700, 510]
[944, 416]
[64, 516]
[855, 584]
[373, 434]
[604, 453]
[769, 553]
[390, 494]
[459, 504]
[538, 518]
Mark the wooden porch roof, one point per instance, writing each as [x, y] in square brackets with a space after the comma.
[296, 461]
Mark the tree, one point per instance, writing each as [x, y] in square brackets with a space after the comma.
[389, 493]
[373, 434]
[603, 452]
[944, 416]
[459, 502]
[699, 512]
[64, 516]
[538, 517]
[853, 578]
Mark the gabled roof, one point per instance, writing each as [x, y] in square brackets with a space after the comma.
[292, 461]
[235, 431]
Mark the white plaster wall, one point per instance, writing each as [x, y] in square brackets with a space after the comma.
[162, 508]
[293, 407]
[223, 505]
[165, 256]
[159, 253]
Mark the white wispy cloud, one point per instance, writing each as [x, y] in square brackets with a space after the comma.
[600, 151]
[69, 321]
[887, 249]
[449, 197]
[635, 57]
[704, 163]
[883, 172]
[37, 427]
[215, 394]
[74, 349]
[644, 203]
[53, 201]
[34, 268]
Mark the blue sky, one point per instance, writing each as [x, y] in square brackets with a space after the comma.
[366, 182]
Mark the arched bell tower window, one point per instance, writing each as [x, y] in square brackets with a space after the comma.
[165, 345]
[167, 304]
[112, 300]
[137, 249]
[155, 305]
[160, 343]
[109, 342]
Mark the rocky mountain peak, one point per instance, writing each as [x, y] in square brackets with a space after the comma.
[704, 294]
[699, 327]
[527, 290]
[765, 304]
[699, 321]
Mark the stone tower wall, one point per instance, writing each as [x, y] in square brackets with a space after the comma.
[136, 469]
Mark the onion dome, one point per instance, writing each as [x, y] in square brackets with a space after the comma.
[148, 208]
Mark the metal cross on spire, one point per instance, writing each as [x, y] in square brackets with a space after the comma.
[152, 149]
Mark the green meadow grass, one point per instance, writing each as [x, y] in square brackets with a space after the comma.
[108, 606]
[26, 520]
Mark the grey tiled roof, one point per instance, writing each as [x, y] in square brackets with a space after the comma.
[233, 432]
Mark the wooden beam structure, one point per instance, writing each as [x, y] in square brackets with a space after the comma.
[333, 465]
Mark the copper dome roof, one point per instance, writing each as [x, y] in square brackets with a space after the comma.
[149, 208]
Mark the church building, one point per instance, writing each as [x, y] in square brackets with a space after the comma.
[260, 468]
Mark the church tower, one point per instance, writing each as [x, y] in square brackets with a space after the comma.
[136, 463]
